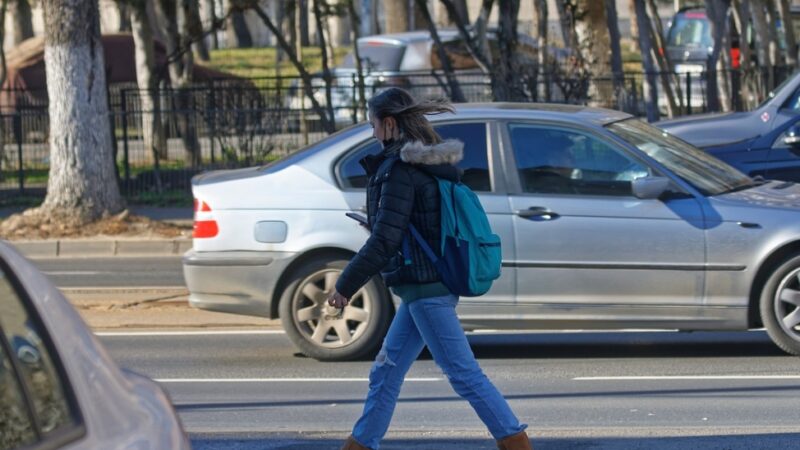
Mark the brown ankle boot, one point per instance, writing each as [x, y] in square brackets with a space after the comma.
[352, 444]
[517, 441]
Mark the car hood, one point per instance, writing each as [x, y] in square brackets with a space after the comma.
[774, 194]
[711, 130]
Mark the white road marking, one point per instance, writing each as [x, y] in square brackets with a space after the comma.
[73, 272]
[690, 377]
[185, 333]
[275, 380]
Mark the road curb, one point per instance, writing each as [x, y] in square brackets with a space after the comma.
[102, 247]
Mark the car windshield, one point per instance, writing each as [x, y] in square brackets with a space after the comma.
[706, 173]
[376, 56]
[690, 29]
[775, 91]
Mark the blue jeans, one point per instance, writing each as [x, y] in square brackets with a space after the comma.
[432, 322]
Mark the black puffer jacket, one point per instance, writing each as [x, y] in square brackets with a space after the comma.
[406, 192]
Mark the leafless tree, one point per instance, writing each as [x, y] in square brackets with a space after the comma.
[237, 34]
[763, 38]
[291, 53]
[20, 13]
[785, 15]
[618, 77]
[81, 185]
[326, 72]
[541, 18]
[153, 135]
[649, 87]
[717, 85]
[397, 14]
[591, 28]
[355, 34]
[456, 94]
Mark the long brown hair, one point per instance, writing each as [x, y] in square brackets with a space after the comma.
[409, 113]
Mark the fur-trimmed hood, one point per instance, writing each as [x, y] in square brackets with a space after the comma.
[449, 152]
[438, 160]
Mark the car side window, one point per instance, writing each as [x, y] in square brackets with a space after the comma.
[16, 423]
[42, 384]
[475, 163]
[351, 174]
[568, 162]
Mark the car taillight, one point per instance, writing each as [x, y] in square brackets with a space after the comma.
[204, 224]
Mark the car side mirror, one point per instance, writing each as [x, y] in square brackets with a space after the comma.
[649, 187]
[792, 138]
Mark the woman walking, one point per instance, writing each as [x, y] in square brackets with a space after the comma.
[402, 189]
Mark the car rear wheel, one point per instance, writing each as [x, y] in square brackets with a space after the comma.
[780, 305]
[325, 333]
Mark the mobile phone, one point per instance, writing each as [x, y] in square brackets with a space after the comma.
[357, 217]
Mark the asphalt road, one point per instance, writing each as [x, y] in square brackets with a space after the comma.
[575, 390]
[165, 271]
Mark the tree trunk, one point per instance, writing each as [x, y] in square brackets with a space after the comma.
[669, 83]
[124, 17]
[617, 75]
[174, 22]
[456, 95]
[594, 42]
[716, 10]
[649, 88]
[326, 72]
[741, 15]
[355, 29]
[194, 27]
[81, 184]
[774, 48]
[474, 46]
[302, 31]
[236, 32]
[541, 88]
[153, 136]
[20, 12]
[759, 17]
[443, 18]
[506, 82]
[3, 76]
[289, 20]
[396, 15]
[633, 24]
[788, 32]
[210, 16]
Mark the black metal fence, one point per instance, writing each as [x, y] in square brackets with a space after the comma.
[165, 137]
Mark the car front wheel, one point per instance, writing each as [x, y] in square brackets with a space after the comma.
[325, 333]
[780, 305]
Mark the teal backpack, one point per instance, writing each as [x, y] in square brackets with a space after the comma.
[470, 257]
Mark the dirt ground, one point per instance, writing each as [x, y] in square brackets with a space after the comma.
[29, 225]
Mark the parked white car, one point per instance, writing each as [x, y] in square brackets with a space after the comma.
[59, 389]
[605, 221]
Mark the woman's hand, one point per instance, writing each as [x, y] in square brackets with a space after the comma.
[337, 300]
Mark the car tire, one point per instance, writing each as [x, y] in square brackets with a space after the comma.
[317, 329]
[780, 305]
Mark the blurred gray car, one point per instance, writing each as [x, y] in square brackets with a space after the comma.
[59, 389]
[606, 223]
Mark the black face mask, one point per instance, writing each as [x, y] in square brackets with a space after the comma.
[387, 142]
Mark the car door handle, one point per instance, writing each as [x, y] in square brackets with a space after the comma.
[537, 212]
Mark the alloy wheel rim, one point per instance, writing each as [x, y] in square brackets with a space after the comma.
[787, 304]
[323, 325]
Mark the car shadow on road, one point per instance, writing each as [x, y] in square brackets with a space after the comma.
[720, 441]
[622, 344]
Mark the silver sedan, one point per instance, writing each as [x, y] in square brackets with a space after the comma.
[606, 222]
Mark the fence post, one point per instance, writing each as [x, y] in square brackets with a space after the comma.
[212, 119]
[126, 161]
[688, 93]
[18, 137]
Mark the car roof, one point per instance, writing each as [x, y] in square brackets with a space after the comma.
[577, 114]
[408, 37]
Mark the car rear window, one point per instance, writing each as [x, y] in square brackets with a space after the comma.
[690, 29]
[376, 56]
